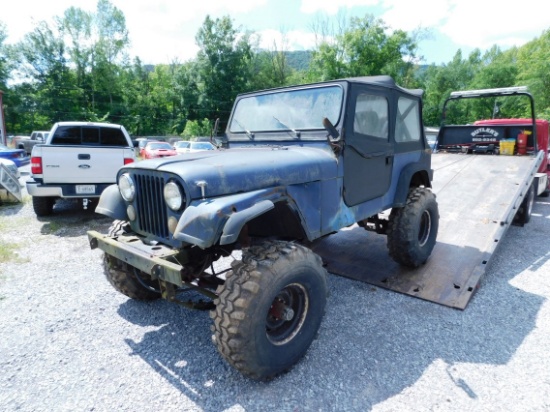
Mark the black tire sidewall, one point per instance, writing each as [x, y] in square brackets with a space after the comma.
[528, 207]
[42, 206]
[283, 356]
[405, 248]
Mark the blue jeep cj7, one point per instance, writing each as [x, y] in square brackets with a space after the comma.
[295, 164]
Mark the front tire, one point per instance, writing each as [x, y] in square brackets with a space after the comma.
[270, 308]
[125, 278]
[412, 230]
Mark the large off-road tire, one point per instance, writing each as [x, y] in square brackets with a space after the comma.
[525, 210]
[270, 308]
[43, 206]
[412, 230]
[124, 277]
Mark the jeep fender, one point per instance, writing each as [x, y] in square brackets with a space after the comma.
[412, 175]
[204, 221]
[111, 204]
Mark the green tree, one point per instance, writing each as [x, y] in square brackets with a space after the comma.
[439, 81]
[364, 47]
[533, 61]
[96, 46]
[4, 62]
[196, 128]
[50, 87]
[223, 66]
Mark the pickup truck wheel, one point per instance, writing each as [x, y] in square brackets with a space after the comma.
[125, 278]
[412, 230]
[43, 206]
[270, 308]
[524, 212]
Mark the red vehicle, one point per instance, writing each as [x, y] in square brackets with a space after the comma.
[154, 150]
[523, 129]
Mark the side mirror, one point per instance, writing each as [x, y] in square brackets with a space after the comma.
[333, 137]
[332, 132]
[214, 132]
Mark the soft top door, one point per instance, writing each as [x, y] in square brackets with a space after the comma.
[368, 153]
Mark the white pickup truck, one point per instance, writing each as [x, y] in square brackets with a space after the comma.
[78, 160]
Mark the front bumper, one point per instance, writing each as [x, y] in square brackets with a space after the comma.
[151, 259]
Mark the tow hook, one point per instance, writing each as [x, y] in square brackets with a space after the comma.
[85, 203]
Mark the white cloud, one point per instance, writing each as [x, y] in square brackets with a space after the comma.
[165, 30]
[290, 40]
[485, 23]
[470, 23]
[332, 7]
[408, 15]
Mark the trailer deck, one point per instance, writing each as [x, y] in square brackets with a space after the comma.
[478, 196]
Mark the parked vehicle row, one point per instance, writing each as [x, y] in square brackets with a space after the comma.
[152, 149]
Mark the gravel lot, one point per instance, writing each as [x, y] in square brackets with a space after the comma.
[70, 342]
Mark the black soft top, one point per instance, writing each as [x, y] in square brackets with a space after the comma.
[385, 81]
[382, 80]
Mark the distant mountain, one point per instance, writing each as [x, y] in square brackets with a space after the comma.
[299, 60]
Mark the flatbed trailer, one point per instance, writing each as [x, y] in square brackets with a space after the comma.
[478, 197]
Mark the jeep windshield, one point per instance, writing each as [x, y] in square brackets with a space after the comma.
[284, 114]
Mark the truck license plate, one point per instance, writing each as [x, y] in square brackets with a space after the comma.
[85, 189]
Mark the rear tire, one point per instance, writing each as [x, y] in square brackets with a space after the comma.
[524, 212]
[43, 206]
[270, 308]
[124, 277]
[412, 230]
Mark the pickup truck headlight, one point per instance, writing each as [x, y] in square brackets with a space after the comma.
[173, 196]
[126, 187]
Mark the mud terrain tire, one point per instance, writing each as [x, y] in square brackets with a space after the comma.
[270, 308]
[412, 230]
[123, 276]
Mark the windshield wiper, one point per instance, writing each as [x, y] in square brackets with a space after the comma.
[288, 128]
[248, 132]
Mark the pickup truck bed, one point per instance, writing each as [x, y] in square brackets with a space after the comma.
[478, 196]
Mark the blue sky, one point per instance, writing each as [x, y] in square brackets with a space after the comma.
[162, 31]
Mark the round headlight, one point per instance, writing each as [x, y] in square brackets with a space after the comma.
[126, 187]
[173, 196]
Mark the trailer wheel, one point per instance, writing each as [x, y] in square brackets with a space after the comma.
[125, 278]
[270, 308]
[524, 212]
[43, 206]
[412, 229]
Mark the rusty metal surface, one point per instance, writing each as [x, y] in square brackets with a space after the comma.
[477, 196]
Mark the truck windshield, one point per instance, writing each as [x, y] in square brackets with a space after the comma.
[292, 110]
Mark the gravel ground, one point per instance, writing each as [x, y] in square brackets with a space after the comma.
[70, 342]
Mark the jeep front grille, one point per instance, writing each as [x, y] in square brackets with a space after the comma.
[151, 209]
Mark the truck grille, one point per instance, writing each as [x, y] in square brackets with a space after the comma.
[151, 210]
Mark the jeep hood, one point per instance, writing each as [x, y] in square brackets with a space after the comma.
[228, 171]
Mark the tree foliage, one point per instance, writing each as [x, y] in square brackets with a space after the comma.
[78, 68]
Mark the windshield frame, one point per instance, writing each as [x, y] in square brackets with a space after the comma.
[278, 123]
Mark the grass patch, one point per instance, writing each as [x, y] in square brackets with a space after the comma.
[10, 222]
[52, 227]
[7, 252]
